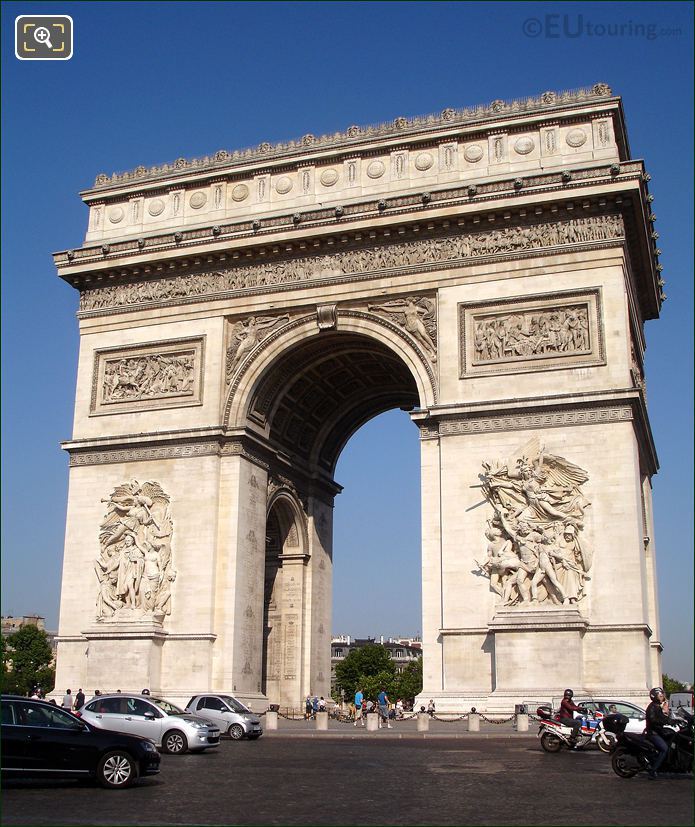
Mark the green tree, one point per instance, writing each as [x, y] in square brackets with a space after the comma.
[409, 682]
[361, 665]
[28, 654]
[671, 685]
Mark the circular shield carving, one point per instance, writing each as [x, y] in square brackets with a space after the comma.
[116, 214]
[198, 200]
[423, 161]
[524, 145]
[156, 207]
[376, 169]
[283, 185]
[329, 177]
[473, 153]
[240, 192]
[576, 137]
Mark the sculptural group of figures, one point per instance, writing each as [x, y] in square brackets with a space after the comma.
[134, 568]
[560, 330]
[424, 251]
[535, 551]
[142, 377]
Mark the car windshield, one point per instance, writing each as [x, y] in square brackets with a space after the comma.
[233, 704]
[166, 707]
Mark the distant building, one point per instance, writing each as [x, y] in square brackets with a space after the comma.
[10, 625]
[403, 650]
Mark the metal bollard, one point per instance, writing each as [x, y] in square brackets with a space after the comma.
[473, 722]
[322, 721]
[521, 722]
[423, 722]
[271, 720]
[372, 722]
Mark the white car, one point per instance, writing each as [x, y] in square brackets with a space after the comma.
[232, 717]
[171, 728]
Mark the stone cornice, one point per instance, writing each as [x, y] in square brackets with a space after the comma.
[223, 161]
[214, 240]
[561, 411]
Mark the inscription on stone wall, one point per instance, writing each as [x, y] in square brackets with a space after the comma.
[422, 252]
[156, 375]
[531, 333]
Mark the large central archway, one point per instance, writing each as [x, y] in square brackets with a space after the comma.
[307, 401]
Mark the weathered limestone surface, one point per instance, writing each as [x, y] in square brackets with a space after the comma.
[490, 270]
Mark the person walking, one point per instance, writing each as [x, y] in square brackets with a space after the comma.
[307, 708]
[79, 699]
[383, 701]
[359, 701]
[399, 709]
[314, 706]
[67, 700]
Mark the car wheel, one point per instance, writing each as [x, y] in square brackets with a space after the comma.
[174, 743]
[116, 770]
[550, 742]
[624, 764]
[236, 732]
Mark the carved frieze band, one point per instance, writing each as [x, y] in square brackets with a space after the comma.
[522, 421]
[156, 452]
[147, 377]
[530, 333]
[425, 253]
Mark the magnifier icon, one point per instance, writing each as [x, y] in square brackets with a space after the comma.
[42, 35]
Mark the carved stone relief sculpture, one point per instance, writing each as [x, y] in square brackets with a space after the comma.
[417, 316]
[426, 251]
[246, 335]
[148, 376]
[134, 568]
[526, 333]
[536, 552]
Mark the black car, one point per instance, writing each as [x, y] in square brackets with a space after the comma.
[39, 739]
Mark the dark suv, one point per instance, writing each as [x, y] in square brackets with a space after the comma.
[39, 739]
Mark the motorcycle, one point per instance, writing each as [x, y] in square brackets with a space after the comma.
[633, 754]
[554, 735]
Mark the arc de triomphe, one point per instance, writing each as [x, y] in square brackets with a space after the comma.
[489, 270]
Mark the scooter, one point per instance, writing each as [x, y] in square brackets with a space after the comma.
[555, 735]
[636, 753]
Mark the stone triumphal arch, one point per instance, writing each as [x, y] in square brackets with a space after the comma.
[489, 270]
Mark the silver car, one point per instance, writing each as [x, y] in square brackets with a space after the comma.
[171, 728]
[229, 714]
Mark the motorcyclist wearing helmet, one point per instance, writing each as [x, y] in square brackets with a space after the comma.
[656, 720]
[567, 710]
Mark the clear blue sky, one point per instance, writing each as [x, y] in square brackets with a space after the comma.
[150, 82]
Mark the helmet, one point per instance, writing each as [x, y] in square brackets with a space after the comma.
[568, 693]
[654, 693]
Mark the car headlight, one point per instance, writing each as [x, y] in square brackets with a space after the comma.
[198, 725]
[149, 746]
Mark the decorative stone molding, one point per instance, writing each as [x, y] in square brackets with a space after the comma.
[148, 377]
[472, 424]
[530, 333]
[536, 553]
[426, 253]
[224, 159]
[135, 568]
[326, 316]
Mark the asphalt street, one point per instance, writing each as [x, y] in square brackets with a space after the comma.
[356, 778]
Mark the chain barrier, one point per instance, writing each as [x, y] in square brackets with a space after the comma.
[492, 721]
[450, 720]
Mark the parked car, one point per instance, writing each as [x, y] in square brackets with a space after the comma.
[229, 714]
[39, 739]
[172, 729]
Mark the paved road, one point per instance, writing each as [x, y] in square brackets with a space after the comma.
[365, 779]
